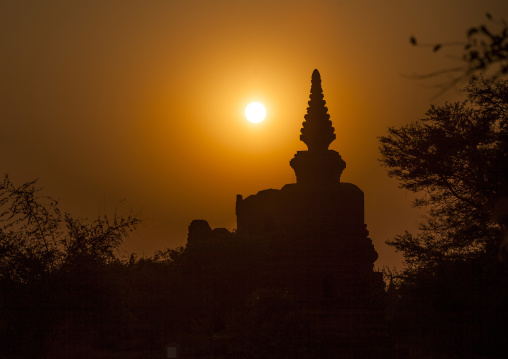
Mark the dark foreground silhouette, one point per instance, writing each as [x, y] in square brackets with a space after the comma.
[295, 280]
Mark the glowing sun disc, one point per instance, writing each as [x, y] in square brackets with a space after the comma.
[255, 112]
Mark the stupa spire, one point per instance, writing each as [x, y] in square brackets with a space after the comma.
[317, 131]
[318, 166]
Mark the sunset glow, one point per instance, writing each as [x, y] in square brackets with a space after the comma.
[149, 105]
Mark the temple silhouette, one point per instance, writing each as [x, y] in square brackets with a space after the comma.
[317, 249]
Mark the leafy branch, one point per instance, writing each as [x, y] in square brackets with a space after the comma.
[484, 54]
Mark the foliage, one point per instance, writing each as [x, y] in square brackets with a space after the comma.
[168, 255]
[53, 276]
[451, 297]
[457, 159]
[29, 232]
[484, 54]
[36, 238]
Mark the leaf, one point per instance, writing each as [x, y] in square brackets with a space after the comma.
[472, 31]
[484, 29]
[412, 40]
[436, 48]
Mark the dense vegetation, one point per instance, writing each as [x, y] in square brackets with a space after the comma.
[452, 295]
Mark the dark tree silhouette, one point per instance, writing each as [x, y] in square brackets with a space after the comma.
[452, 296]
[457, 158]
[37, 238]
[53, 280]
[484, 54]
[29, 225]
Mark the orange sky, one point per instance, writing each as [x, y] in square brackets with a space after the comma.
[143, 100]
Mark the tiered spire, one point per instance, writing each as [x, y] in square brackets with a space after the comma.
[318, 166]
[317, 131]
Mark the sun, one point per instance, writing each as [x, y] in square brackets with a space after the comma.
[255, 112]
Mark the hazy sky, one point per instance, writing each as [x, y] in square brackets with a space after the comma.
[143, 100]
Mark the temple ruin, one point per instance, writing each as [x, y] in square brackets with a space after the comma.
[319, 252]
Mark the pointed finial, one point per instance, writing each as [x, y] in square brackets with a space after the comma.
[317, 131]
[316, 77]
